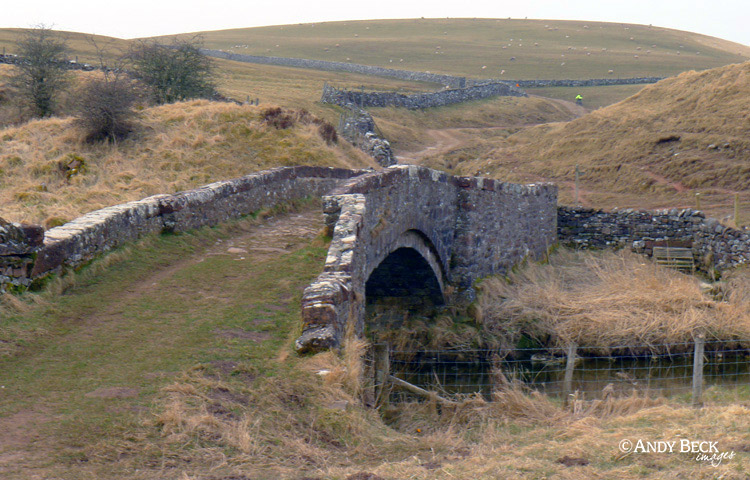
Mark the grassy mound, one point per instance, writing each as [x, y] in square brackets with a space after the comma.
[176, 147]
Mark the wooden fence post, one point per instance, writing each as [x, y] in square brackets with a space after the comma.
[737, 210]
[698, 372]
[382, 373]
[569, 367]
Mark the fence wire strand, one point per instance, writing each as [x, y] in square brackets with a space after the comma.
[657, 370]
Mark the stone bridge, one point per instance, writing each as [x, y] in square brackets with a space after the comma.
[419, 235]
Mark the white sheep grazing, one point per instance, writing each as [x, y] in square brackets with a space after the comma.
[610, 72]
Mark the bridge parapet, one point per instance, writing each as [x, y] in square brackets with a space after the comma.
[464, 228]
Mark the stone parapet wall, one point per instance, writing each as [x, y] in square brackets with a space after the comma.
[90, 235]
[464, 227]
[18, 246]
[418, 100]
[712, 243]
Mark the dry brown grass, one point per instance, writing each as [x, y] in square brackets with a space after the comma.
[176, 147]
[291, 428]
[624, 150]
[602, 300]
[618, 149]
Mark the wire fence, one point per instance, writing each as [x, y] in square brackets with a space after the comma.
[667, 370]
[728, 207]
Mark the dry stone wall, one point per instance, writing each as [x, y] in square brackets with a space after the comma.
[464, 227]
[451, 81]
[358, 126]
[712, 243]
[592, 82]
[418, 100]
[448, 80]
[28, 254]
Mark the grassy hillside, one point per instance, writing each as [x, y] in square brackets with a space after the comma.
[299, 88]
[684, 135]
[175, 147]
[465, 46]
[79, 44]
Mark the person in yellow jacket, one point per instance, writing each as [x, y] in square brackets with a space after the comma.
[579, 99]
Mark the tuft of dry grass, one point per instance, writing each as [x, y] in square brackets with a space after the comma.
[603, 300]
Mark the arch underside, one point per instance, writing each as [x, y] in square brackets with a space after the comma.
[410, 277]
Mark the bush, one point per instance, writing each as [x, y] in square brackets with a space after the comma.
[41, 74]
[328, 133]
[175, 72]
[105, 108]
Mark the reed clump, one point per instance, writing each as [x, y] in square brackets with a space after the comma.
[606, 300]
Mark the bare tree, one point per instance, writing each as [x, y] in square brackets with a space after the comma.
[174, 72]
[104, 107]
[41, 72]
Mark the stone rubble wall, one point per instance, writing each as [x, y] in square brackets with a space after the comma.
[465, 227]
[79, 241]
[418, 100]
[712, 243]
[358, 126]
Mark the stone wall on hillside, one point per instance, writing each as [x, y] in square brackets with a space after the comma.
[358, 127]
[24, 257]
[451, 81]
[713, 244]
[448, 80]
[69, 65]
[418, 100]
[592, 82]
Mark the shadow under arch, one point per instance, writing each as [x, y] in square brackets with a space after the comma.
[411, 277]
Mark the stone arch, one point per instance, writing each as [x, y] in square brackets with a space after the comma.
[411, 274]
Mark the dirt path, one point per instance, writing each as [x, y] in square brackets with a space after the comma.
[117, 345]
[441, 141]
[665, 181]
[575, 109]
[445, 140]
